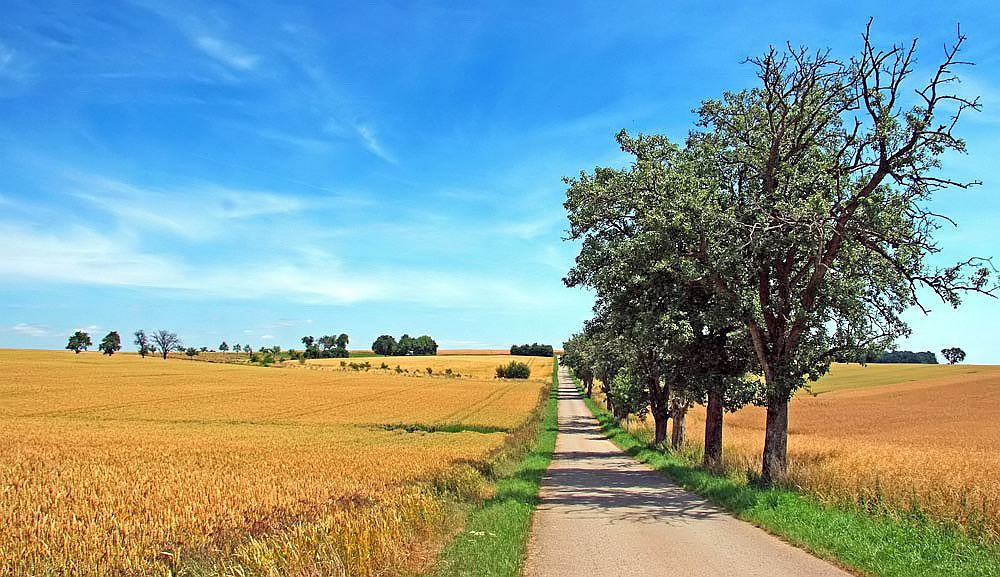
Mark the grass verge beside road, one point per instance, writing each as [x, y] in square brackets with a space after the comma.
[881, 545]
[496, 531]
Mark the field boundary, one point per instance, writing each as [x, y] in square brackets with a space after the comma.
[496, 532]
[880, 545]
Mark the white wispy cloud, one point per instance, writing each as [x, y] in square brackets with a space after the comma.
[15, 70]
[195, 212]
[205, 33]
[31, 330]
[6, 58]
[226, 52]
[83, 256]
[372, 143]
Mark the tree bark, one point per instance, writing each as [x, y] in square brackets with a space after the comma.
[679, 415]
[589, 383]
[775, 457]
[660, 428]
[713, 431]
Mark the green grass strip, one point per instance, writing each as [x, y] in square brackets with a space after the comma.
[877, 545]
[441, 428]
[496, 532]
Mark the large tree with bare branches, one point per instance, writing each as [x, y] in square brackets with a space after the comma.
[165, 342]
[820, 180]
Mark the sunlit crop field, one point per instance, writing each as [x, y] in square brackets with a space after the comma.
[134, 466]
[901, 437]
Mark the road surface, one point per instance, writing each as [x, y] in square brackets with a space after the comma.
[602, 513]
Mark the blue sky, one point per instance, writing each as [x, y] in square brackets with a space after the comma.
[309, 168]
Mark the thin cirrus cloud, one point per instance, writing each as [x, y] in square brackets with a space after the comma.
[195, 212]
[87, 257]
[227, 53]
[31, 330]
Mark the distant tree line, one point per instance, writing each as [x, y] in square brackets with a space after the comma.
[532, 350]
[387, 345]
[925, 357]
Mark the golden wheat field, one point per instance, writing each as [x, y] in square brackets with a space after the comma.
[482, 366]
[130, 466]
[888, 436]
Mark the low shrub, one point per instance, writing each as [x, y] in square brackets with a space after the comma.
[514, 370]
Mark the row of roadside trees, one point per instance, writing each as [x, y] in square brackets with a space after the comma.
[791, 228]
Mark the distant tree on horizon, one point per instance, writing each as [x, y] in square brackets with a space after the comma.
[143, 342]
[384, 345]
[953, 355]
[166, 342]
[79, 341]
[111, 344]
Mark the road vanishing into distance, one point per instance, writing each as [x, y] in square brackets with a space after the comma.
[603, 513]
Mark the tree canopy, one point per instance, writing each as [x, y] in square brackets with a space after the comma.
[532, 350]
[953, 355]
[111, 343]
[78, 341]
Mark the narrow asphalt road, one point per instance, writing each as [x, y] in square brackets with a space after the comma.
[603, 513]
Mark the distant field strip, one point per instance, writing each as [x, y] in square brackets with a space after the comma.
[125, 465]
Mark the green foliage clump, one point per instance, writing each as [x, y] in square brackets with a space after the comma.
[78, 342]
[514, 370]
[532, 350]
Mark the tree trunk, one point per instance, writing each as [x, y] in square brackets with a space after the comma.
[589, 383]
[660, 426]
[713, 431]
[775, 458]
[677, 431]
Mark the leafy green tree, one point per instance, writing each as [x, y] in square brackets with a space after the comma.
[142, 341]
[953, 355]
[578, 356]
[78, 341]
[342, 341]
[191, 352]
[404, 346]
[165, 342]
[384, 345]
[673, 329]
[224, 347]
[111, 343]
[425, 345]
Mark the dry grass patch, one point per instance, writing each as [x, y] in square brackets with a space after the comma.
[124, 465]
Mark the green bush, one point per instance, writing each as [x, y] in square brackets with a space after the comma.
[515, 370]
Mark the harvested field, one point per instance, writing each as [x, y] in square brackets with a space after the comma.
[918, 439]
[139, 466]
